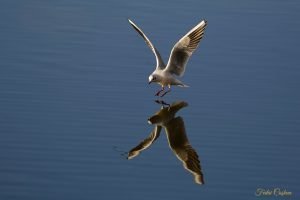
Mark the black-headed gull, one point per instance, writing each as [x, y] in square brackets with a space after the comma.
[180, 54]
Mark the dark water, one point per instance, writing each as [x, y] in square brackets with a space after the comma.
[74, 96]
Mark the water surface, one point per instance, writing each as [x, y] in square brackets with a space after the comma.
[74, 92]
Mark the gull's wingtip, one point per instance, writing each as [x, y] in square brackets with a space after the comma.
[199, 179]
[183, 85]
[132, 154]
[129, 20]
[203, 22]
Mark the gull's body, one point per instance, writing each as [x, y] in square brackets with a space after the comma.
[177, 138]
[165, 75]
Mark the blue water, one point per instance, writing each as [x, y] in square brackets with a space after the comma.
[74, 96]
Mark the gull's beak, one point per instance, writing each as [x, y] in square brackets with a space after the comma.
[151, 79]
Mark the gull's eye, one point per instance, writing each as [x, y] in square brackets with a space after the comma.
[154, 78]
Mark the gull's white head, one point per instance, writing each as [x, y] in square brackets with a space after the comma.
[154, 78]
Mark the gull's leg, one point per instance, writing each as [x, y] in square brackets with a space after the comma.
[169, 86]
[165, 93]
[157, 94]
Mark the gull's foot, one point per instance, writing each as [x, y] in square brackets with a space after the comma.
[162, 102]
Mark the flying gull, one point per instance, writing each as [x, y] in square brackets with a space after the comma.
[180, 54]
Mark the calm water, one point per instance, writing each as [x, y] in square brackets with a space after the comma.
[74, 96]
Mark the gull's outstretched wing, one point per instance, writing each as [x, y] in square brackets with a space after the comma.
[145, 143]
[159, 62]
[180, 145]
[184, 48]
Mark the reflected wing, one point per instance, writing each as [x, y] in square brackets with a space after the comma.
[145, 143]
[177, 105]
[180, 145]
[191, 162]
[184, 48]
[159, 62]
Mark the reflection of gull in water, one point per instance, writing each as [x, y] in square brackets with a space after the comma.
[177, 138]
[180, 54]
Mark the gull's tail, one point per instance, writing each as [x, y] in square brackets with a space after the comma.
[183, 85]
[179, 83]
